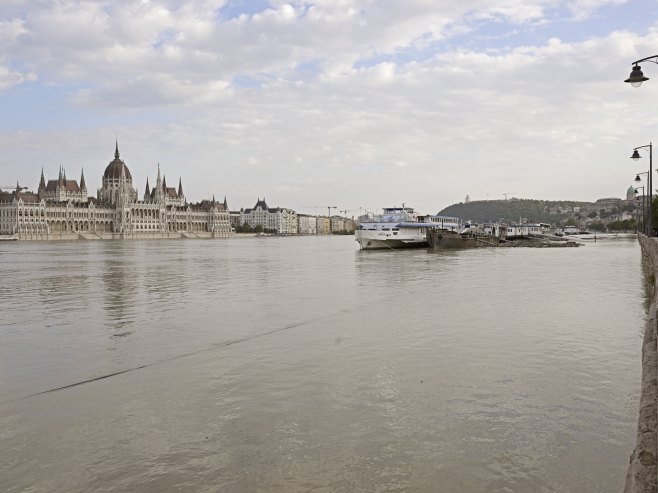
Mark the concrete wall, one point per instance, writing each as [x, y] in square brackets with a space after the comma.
[115, 236]
[642, 471]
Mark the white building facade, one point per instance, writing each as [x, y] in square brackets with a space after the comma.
[279, 219]
[307, 225]
[62, 209]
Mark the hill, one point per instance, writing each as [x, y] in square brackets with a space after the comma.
[513, 210]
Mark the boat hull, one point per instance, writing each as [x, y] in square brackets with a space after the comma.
[378, 240]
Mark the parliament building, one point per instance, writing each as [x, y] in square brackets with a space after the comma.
[63, 209]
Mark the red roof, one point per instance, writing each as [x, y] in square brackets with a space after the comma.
[69, 186]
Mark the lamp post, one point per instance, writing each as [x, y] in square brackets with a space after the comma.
[635, 157]
[638, 180]
[636, 79]
[637, 198]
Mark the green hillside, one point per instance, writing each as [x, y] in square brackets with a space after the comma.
[513, 209]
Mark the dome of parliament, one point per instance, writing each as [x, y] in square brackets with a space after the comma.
[113, 170]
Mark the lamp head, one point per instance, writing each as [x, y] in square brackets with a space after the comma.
[636, 155]
[637, 179]
[637, 77]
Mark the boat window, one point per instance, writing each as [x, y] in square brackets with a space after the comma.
[396, 229]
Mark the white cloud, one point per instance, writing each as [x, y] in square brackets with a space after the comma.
[544, 120]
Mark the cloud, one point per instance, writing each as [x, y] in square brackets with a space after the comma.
[187, 43]
[424, 121]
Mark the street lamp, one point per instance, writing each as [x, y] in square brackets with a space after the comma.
[637, 198]
[637, 77]
[635, 157]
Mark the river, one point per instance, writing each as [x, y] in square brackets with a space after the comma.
[299, 364]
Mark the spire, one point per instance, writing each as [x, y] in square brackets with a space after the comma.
[42, 183]
[116, 149]
[64, 169]
[180, 187]
[83, 185]
[164, 183]
[147, 192]
[225, 203]
[157, 183]
[60, 180]
[18, 192]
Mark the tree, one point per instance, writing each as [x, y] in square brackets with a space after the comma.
[625, 225]
[597, 226]
[570, 222]
[592, 214]
[258, 228]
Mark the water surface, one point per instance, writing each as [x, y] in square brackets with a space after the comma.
[299, 364]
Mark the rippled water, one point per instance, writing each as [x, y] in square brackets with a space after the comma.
[299, 364]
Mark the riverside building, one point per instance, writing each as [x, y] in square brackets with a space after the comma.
[279, 219]
[63, 209]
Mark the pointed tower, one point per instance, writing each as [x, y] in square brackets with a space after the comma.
[158, 196]
[42, 182]
[121, 191]
[180, 187]
[147, 192]
[60, 179]
[164, 183]
[116, 149]
[64, 176]
[83, 185]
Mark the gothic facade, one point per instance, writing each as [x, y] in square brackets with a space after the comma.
[62, 208]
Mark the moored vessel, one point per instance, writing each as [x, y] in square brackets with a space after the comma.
[399, 227]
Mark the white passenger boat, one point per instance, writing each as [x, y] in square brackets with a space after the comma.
[398, 227]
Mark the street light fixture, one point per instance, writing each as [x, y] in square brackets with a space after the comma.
[635, 157]
[637, 176]
[637, 77]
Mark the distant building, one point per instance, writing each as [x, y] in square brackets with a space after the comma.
[62, 209]
[234, 218]
[340, 224]
[307, 225]
[608, 204]
[279, 219]
[323, 225]
[630, 193]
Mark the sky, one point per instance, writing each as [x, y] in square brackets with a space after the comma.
[358, 104]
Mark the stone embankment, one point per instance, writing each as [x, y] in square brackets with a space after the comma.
[173, 235]
[642, 472]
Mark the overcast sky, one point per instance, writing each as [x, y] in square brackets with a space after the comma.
[357, 104]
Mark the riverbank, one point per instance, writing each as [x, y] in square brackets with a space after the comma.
[642, 472]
